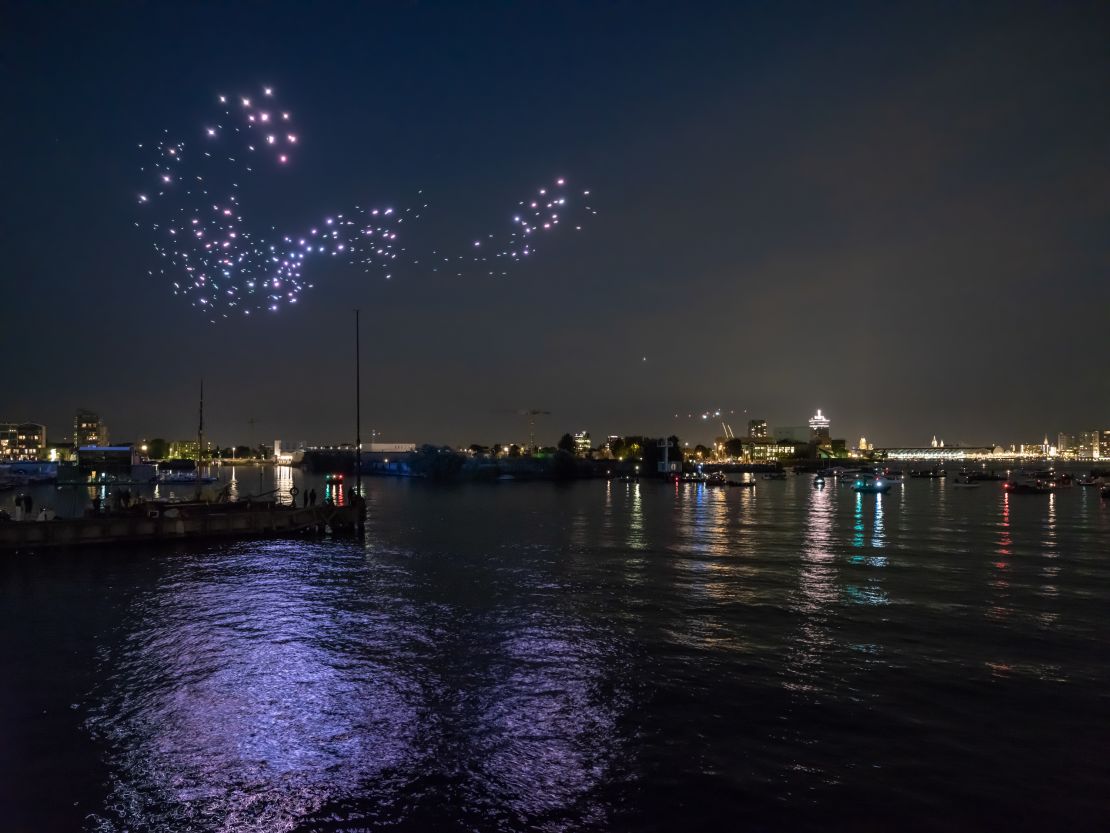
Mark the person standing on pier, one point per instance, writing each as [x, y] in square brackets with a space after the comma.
[312, 497]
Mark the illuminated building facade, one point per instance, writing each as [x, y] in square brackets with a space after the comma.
[819, 428]
[22, 441]
[183, 450]
[1081, 446]
[582, 445]
[88, 429]
[1038, 449]
[769, 451]
[940, 454]
[757, 429]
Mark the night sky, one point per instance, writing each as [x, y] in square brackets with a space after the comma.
[899, 214]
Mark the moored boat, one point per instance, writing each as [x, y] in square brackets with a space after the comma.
[870, 484]
[1024, 483]
[178, 478]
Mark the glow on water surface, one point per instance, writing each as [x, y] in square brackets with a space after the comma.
[598, 656]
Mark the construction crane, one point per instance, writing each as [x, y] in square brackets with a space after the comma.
[724, 425]
[532, 413]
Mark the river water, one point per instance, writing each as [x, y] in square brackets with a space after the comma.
[592, 656]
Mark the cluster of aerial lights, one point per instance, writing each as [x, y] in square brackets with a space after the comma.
[223, 265]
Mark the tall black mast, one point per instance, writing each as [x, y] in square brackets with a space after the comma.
[358, 412]
[200, 434]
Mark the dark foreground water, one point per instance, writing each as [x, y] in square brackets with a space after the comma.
[600, 656]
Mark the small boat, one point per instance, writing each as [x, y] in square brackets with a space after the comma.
[1105, 491]
[1052, 478]
[963, 481]
[1091, 480]
[717, 479]
[871, 485]
[183, 477]
[936, 471]
[774, 475]
[742, 484]
[980, 476]
[1028, 485]
[818, 481]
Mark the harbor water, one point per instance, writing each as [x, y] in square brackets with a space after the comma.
[599, 655]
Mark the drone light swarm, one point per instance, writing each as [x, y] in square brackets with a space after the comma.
[192, 203]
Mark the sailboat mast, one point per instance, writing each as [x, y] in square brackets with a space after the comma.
[200, 434]
[358, 411]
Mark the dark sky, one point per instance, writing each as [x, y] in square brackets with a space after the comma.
[897, 213]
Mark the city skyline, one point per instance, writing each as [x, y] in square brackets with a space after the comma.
[878, 210]
[702, 428]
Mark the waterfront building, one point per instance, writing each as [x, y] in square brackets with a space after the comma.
[606, 451]
[819, 430]
[282, 457]
[22, 441]
[1036, 449]
[768, 450]
[793, 433]
[757, 429]
[60, 452]
[582, 445]
[1104, 445]
[183, 450]
[88, 429]
[1083, 445]
[391, 448]
[939, 454]
[116, 459]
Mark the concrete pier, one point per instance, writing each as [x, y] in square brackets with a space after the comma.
[179, 521]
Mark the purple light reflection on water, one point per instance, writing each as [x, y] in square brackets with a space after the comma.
[235, 699]
[602, 656]
[548, 725]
